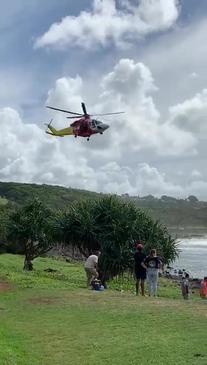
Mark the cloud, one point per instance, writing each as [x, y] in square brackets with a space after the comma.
[191, 115]
[28, 155]
[193, 75]
[179, 72]
[120, 161]
[129, 86]
[196, 174]
[109, 23]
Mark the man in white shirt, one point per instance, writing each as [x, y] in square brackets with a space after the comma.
[91, 267]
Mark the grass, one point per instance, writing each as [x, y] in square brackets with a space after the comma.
[3, 201]
[50, 319]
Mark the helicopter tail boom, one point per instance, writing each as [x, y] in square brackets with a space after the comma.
[61, 132]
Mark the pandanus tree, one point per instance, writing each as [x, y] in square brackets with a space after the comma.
[113, 226]
[31, 227]
[77, 227]
[156, 235]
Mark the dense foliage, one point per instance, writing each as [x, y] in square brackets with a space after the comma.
[4, 221]
[113, 226]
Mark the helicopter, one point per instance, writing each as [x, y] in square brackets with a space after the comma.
[84, 126]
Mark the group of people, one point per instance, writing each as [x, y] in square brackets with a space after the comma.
[145, 268]
[185, 287]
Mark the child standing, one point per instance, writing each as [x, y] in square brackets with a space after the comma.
[203, 288]
[185, 286]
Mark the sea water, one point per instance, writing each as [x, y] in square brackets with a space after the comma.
[193, 256]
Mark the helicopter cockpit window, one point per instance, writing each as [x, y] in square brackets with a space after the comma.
[93, 123]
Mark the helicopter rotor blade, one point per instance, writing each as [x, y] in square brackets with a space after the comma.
[62, 110]
[84, 108]
[76, 117]
[99, 115]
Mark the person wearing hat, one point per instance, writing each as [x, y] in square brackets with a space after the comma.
[140, 271]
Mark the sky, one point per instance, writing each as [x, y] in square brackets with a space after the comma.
[144, 57]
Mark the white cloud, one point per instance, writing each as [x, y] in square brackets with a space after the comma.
[117, 162]
[191, 115]
[128, 87]
[29, 155]
[107, 23]
[196, 174]
[193, 75]
[179, 72]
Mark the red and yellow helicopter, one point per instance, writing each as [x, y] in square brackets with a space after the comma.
[84, 126]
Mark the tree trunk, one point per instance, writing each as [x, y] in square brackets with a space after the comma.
[28, 265]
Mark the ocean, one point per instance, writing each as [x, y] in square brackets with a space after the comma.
[193, 256]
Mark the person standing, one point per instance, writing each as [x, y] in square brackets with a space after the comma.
[140, 271]
[185, 286]
[152, 264]
[203, 288]
[91, 267]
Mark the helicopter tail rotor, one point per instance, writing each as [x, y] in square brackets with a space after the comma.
[49, 124]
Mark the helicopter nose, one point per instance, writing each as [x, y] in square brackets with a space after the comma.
[105, 126]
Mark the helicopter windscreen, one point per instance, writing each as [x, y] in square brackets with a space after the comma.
[95, 123]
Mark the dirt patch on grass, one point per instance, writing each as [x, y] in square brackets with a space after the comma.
[45, 300]
[4, 286]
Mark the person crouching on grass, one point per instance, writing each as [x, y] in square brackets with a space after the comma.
[140, 271]
[91, 267]
[152, 264]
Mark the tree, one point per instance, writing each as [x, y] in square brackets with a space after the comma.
[113, 226]
[4, 218]
[31, 227]
[192, 199]
[168, 199]
[76, 227]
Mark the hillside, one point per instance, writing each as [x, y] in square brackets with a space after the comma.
[55, 197]
[182, 217]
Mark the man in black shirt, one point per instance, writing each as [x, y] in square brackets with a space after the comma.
[140, 271]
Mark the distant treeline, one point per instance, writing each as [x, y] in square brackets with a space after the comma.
[177, 214]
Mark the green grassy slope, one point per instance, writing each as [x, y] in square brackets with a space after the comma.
[50, 319]
[54, 196]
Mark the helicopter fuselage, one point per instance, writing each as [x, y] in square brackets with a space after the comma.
[86, 126]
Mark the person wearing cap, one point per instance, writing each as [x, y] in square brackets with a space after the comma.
[140, 271]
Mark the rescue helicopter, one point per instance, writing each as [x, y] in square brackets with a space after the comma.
[83, 126]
